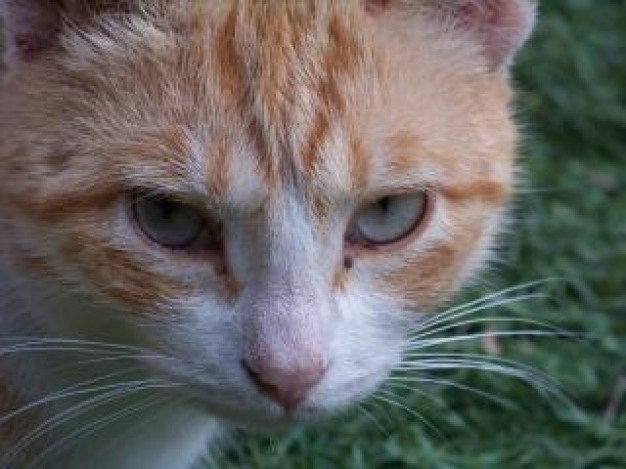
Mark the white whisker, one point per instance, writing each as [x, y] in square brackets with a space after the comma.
[541, 382]
[27, 349]
[426, 326]
[449, 383]
[489, 320]
[391, 399]
[120, 391]
[136, 426]
[379, 409]
[426, 343]
[402, 386]
[481, 300]
[369, 415]
[114, 358]
[70, 391]
[32, 340]
[77, 435]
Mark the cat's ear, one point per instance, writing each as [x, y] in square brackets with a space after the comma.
[30, 27]
[499, 26]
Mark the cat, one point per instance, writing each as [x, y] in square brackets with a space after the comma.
[232, 212]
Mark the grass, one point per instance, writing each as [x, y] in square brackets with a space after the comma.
[571, 225]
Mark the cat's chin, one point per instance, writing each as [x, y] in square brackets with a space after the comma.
[261, 415]
[266, 420]
[263, 418]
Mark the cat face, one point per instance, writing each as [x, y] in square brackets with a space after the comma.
[266, 194]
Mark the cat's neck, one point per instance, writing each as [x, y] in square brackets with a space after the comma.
[131, 432]
[171, 437]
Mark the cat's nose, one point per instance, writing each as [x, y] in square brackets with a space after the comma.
[286, 385]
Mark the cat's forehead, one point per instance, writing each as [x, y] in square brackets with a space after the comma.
[240, 100]
[293, 77]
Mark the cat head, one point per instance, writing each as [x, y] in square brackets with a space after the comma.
[268, 193]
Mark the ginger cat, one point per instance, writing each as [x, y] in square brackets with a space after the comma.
[234, 211]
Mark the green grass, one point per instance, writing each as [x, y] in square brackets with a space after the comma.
[570, 224]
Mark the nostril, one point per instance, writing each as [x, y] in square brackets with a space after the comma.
[249, 370]
[265, 387]
[286, 386]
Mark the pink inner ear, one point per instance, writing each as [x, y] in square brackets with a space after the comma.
[501, 25]
[376, 6]
[27, 46]
[32, 27]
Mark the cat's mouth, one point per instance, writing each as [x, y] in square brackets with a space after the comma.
[259, 416]
[255, 412]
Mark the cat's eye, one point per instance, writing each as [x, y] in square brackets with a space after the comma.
[173, 224]
[388, 220]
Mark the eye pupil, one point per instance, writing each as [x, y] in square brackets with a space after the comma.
[384, 204]
[166, 209]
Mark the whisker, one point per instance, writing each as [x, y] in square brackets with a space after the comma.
[472, 356]
[391, 384]
[32, 340]
[541, 382]
[391, 399]
[461, 357]
[484, 299]
[379, 409]
[111, 351]
[427, 325]
[427, 343]
[70, 391]
[136, 426]
[80, 434]
[453, 384]
[370, 416]
[112, 359]
[26, 349]
[491, 320]
[402, 386]
[476, 356]
[122, 390]
[522, 371]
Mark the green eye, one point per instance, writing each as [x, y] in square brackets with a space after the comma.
[171, 223]
[389, 220]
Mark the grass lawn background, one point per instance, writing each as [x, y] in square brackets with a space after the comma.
[570, 224]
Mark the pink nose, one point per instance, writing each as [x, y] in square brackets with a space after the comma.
[286, 386]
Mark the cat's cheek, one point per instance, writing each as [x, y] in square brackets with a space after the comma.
[456, 245]
[347, 385]
[368, 339]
